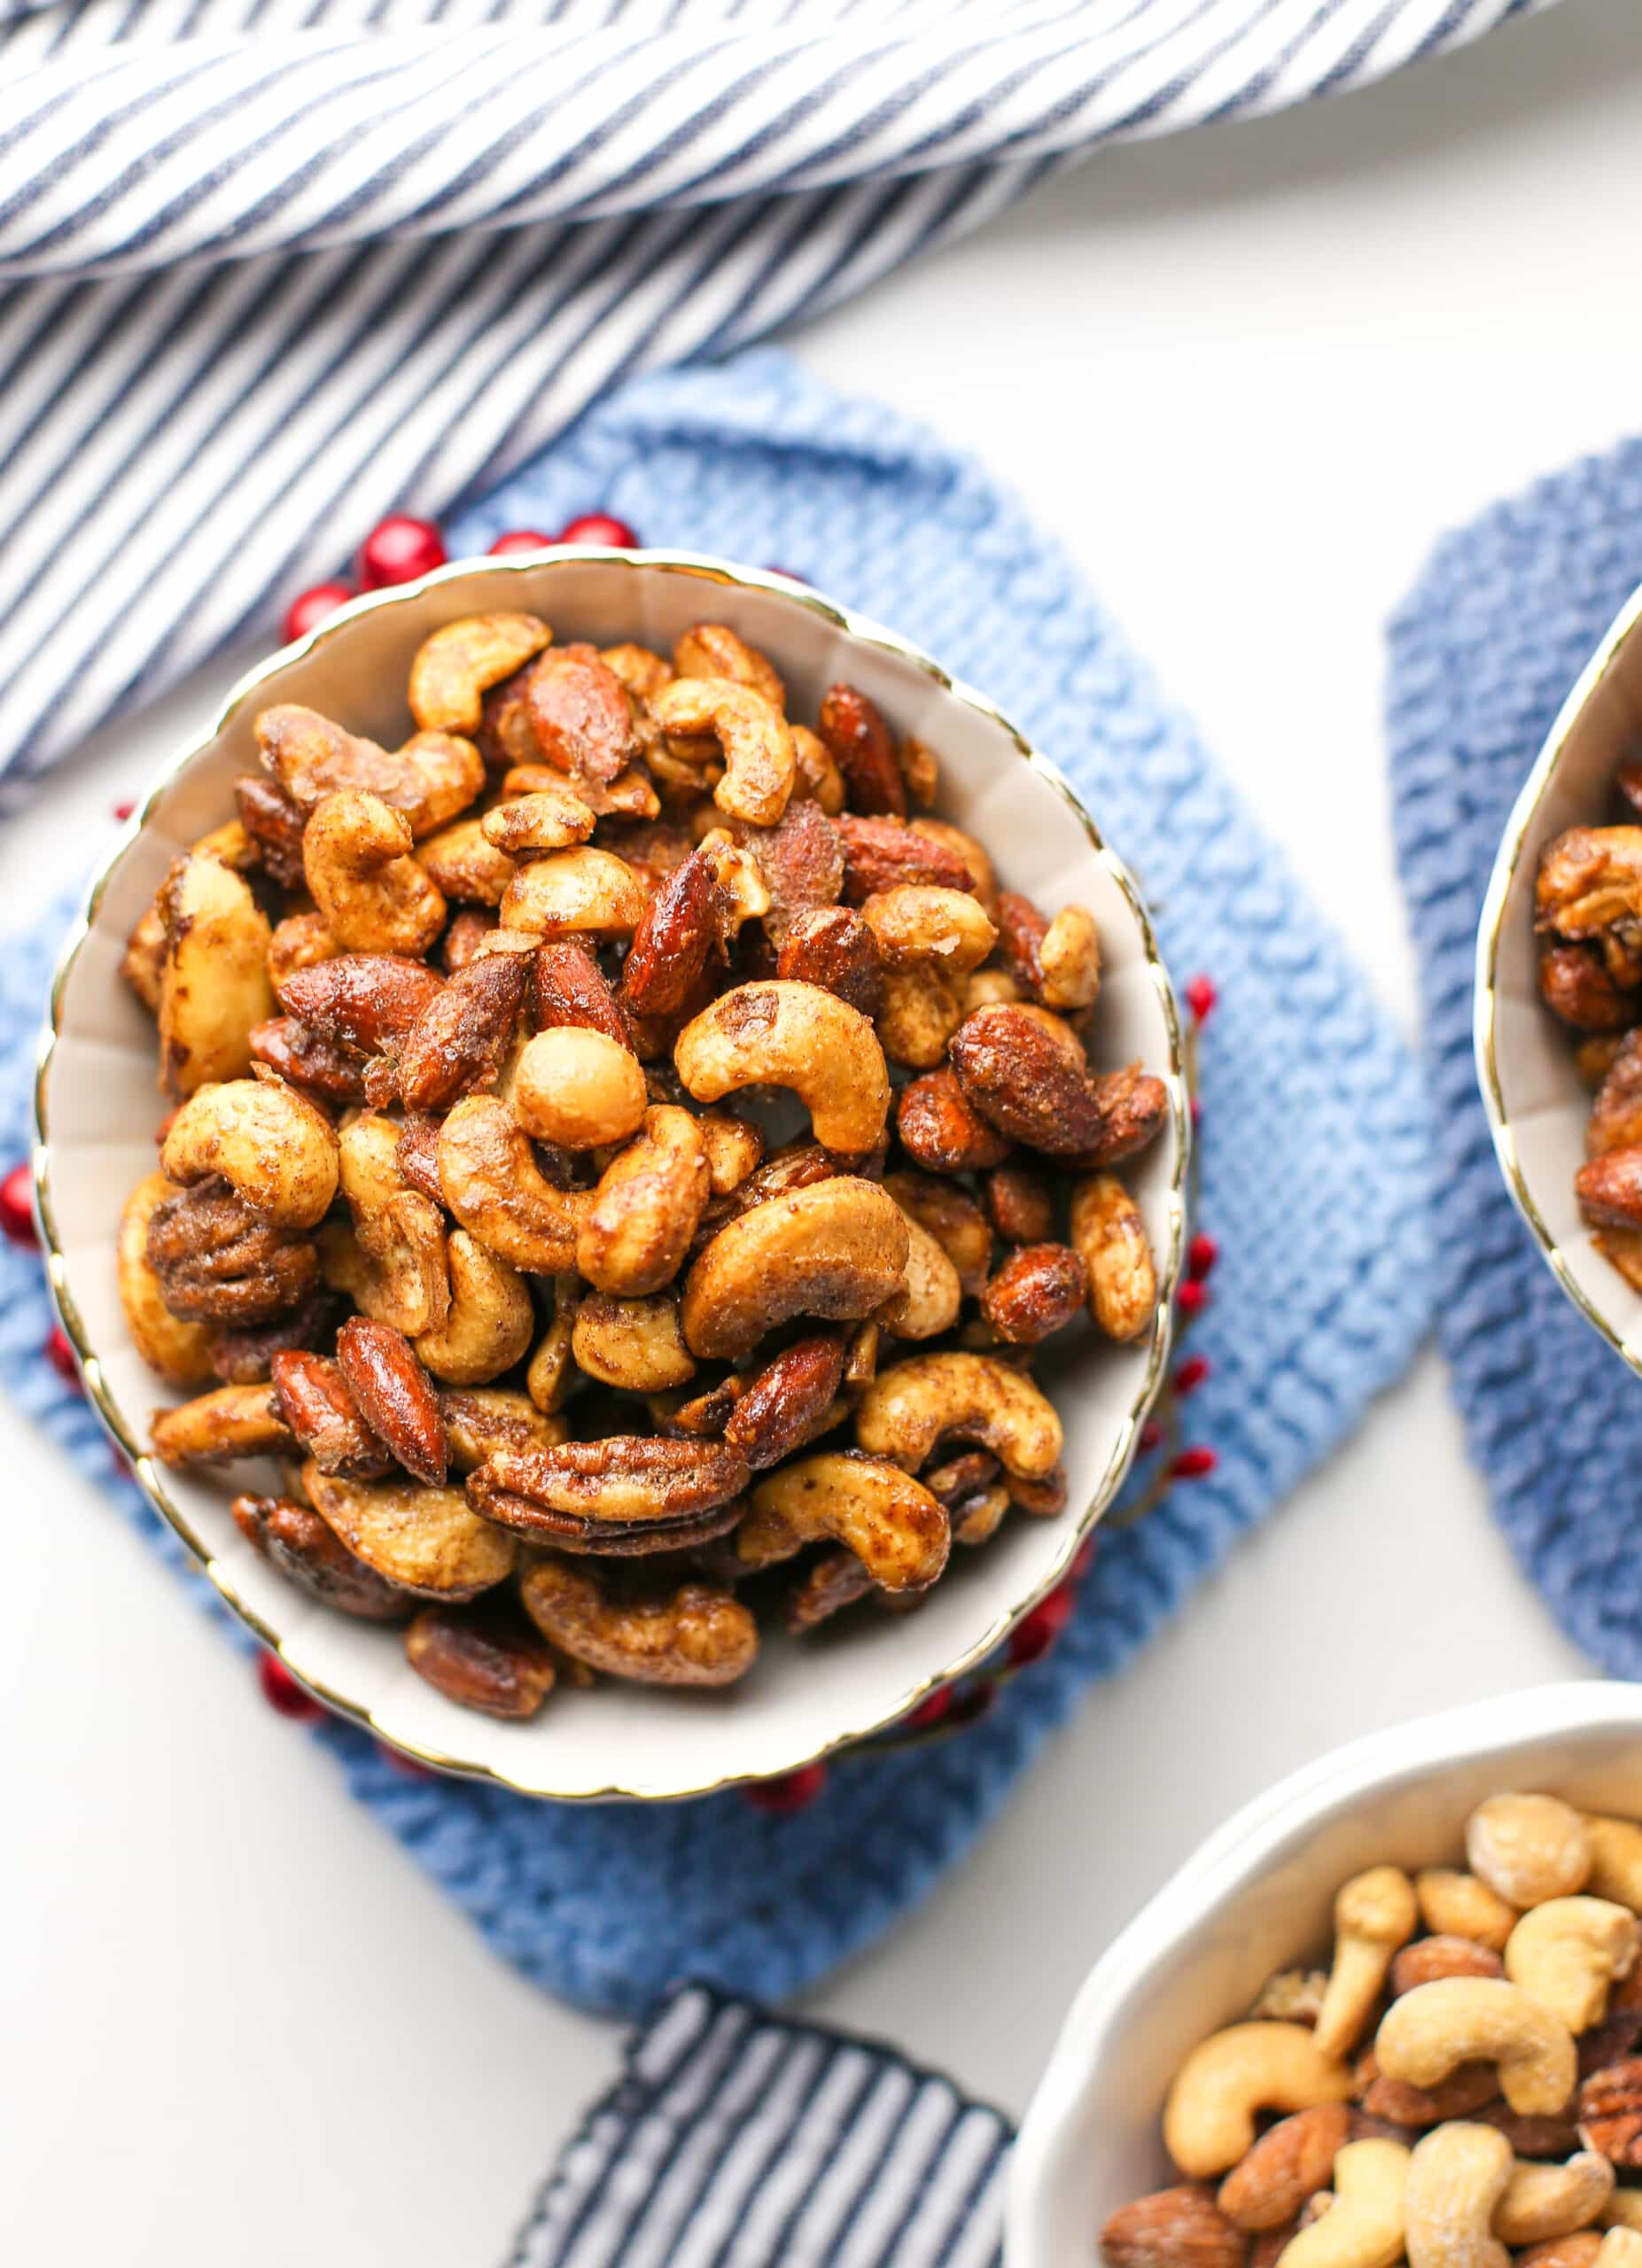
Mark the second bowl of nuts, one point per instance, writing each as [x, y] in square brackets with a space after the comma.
[671, 1146]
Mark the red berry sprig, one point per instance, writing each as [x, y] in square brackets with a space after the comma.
[17, 1210]
[793, 1791]
[1036, 1633]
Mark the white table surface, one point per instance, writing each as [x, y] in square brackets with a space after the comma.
[1248, 376]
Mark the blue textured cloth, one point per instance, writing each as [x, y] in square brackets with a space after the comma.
[1506, 615]
[1313, 1182]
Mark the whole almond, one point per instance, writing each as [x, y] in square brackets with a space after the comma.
[1433, 1958]
[1463, 2092]
[1173, 2228]
[396, 1397]
[1286, 2165]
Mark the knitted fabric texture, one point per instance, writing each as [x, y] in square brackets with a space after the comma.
[1483, 655]
[1312, 1181]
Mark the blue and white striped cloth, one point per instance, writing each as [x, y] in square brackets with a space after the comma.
[270, 269]
[735, 2139]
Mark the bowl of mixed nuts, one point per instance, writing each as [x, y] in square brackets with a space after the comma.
[1392, 2011]
[671, 1140]
[1559, 993]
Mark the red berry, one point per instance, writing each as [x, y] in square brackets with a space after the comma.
[1151, 1437]
[793, 1792]
[16, 1217]
[1085, 1560]
[311, 607]
[519, 540]
[60, 1355]
[123, 809]
[1191, 1374]
[411, 1766]
[598, 527]
[397, 550]
[934, 1709]
[1201, 1255]
[1197, 1112]
[1192, 1296]
[282, 1692]
[1201, 997]
[1037, 1632]
[1192, 1464]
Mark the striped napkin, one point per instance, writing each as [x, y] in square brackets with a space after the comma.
[269, 268]
[743, 2140]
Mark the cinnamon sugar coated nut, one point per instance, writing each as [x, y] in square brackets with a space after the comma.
[1457, 2090]
[625, 1150]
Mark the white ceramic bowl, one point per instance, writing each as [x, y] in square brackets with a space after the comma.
[1535, 1101]
[97, 1106]
[1258, 1896]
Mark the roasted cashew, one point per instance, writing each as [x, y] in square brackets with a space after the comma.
[699, 1635]
[496, 1189]
[301, 941]
[550, 818]
[633, 1344]
[819, 779]
[1375, 1914]
[838, 1249]
[1429, 2032]
[1616, 1860]
[235, 1421]
[265, 1140]
[1209, 2119]
[179, 1351]
[426, 1539]
[456, 664]
[930, 1295]
[391, 1263]
[760, 763]
[648, 1206]
[368, 1168]
[552, 1373]
[1568, 1952]
[895, 1527]
[480, 1420]
[914, 1404]
[1621, 2247]
[1363, 2227]
[489, 1320]
[576, 892]
[1529, 1848]
[212, 987]
[145, 956]
[795, 1035]
[956, 1221]
[435, 775]
[464, 865]
[734, 1147]
[1454, 1905]
[742, 893]
[1109, 1238]
[915, 923]
[712, 650]
[969, 852]
[1457, 2176]
[1624, 2210]
[989, 987]
[579, 1087]
[1070, 957]
[1543, 2201]
[920, 1007]
[371, 894]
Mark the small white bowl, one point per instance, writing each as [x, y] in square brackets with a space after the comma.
[1536, 1101]
[1258, 1896]
[97, 1104]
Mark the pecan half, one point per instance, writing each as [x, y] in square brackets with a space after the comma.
[314, 1401]
[460, 1038]
[863, 748]
[785, 1404]
[670, 947]
[879, 853]
[274, 822]
[1616, 1120]
[1021, 932]
[567, 986]
[1173, 2228]
[308, 1059]
[295, 1540]
[395, 1395]
[579, 713]
[939, 1128]
[218, 1262]
[243, 1357]
[1610, 2112]
[625, 1478]
[489, 1656]
[1028, 1077]
[368, 1001]
[1575, 986]
[833, 947]
[1040, 1289]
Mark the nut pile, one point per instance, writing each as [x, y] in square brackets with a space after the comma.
[1463, 2084]
[1588, 908]
[570, 1363]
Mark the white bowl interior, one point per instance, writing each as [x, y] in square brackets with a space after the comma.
[1257, 1898]
[101, 1105]
[1541, 1105]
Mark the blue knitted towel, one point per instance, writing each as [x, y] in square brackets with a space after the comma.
[1313, 1182]
[1482, 656]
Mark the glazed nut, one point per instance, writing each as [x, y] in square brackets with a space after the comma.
[1365, 2223]
[178, 1350]
[293, 1538]
[1610, 1189]
[266, 1140]
[430, 779]
[1529, 1848]
[579, 717]
[1430, 2031]
[1038, 1290]
[1579, 2250]
[1375, 1914]
[579, 1087]
[1026, 1073]
[1209, 2119]
[733, 1147]
[1432, 1958]
[881, 852]
[457, 664]
[893, 1524]
[1021, 1203]
[217, 1261]
[930, 1295]
[622, 1480]
[920, 1007]
[1172, 2228]
[395, 1396]
[1578, 988]
[931, 1398]
[837, 1249]
[915, 923]
[760, 763]
[480, 1420]
[941, 1131]
[489, 1657]
[793, 1035]
[1070, 957]
[427, 1541]
[371, 895]
[712, 650]
[1109, 1236]
[1542, 2202]
[1621, 2244]
[488, 1321]
[1616, 1860]
[956, 1221]
[582, 891]
[1568, 1952]
[318, 1404]
[459, 1039]
[861, 745]
[1457, 2176]
[497, 1191]
[211, 987]
[464, 865]
[234, 1421]
[1290, 2162]
[833, 947]
[634, 1345]
[647, 1206]
[788, 1401]
[698, 1634]
[552, 817]
[1458, 1904]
